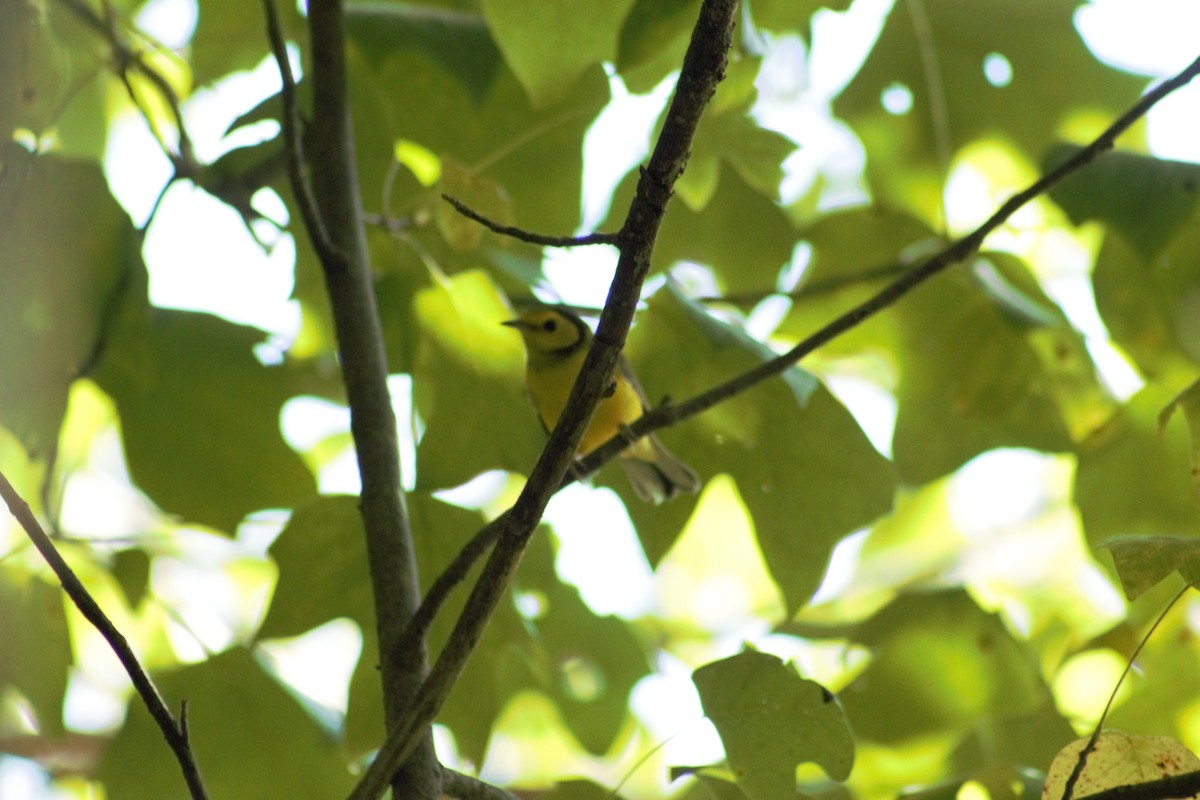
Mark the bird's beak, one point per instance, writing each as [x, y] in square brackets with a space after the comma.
[513, 323]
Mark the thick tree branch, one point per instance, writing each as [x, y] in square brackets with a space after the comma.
[333, 214]
[958, 251]
[703, 68]
[173, 731]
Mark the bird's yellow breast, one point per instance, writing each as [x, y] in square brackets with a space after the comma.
[550, 386]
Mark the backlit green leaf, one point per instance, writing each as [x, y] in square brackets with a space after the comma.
[193, 401]
[236, 760]
[771, 720]
[64, 246]
[679, 351]
[550, 44]
[934, 52]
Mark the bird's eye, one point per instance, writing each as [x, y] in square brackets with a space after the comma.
[549, 326]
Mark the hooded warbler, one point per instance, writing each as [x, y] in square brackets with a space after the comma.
[556, 343]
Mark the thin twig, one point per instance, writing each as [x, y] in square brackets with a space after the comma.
[809, 290]
[526, 236]
[703, 67]
[296, 162]
[174, 732]
[1081, 762]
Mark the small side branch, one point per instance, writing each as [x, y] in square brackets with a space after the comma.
[173, 731]
[526, 236]
[464, 787]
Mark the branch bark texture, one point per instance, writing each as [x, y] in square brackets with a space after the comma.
[336, 228]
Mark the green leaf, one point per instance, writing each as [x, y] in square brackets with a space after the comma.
[721, 789]
[969, 382]
[231, 35]
[193, 402]
[942, 665]
[323, 575]
[1131, 481]
[717, 236]
[791, 15]
[1151, 306]
[771, 720]
[464, 355]
[482, 195]
[653, 41]
[1144, 561]
[242, 726]
[131, 569]
[36, 656]
[548, 45]
[322, 570]
[1144, 199]
[64, 246]
[1118, 759]
[936, 50]
[502, 139]
[457, 41]
[32, 69]
[579, 789]
[679, 350]
[588, 665]
[728, 134]
[496, 671]
[1187, 403]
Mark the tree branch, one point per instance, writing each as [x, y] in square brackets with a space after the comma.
[669, 414]
[465, 787]
[526, 236]
[174, 732]
[703, 67]
[1183, 785]
[333, 215]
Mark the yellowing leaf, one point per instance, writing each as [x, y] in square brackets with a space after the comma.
[1118, 759]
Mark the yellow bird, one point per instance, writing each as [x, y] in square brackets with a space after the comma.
[556, 343]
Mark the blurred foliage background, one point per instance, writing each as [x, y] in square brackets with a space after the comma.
[959, 518]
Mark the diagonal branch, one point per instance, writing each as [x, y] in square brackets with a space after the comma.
[703, 67]
[174, 732]
[955, 253]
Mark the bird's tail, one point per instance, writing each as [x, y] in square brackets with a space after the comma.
[661, 479]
